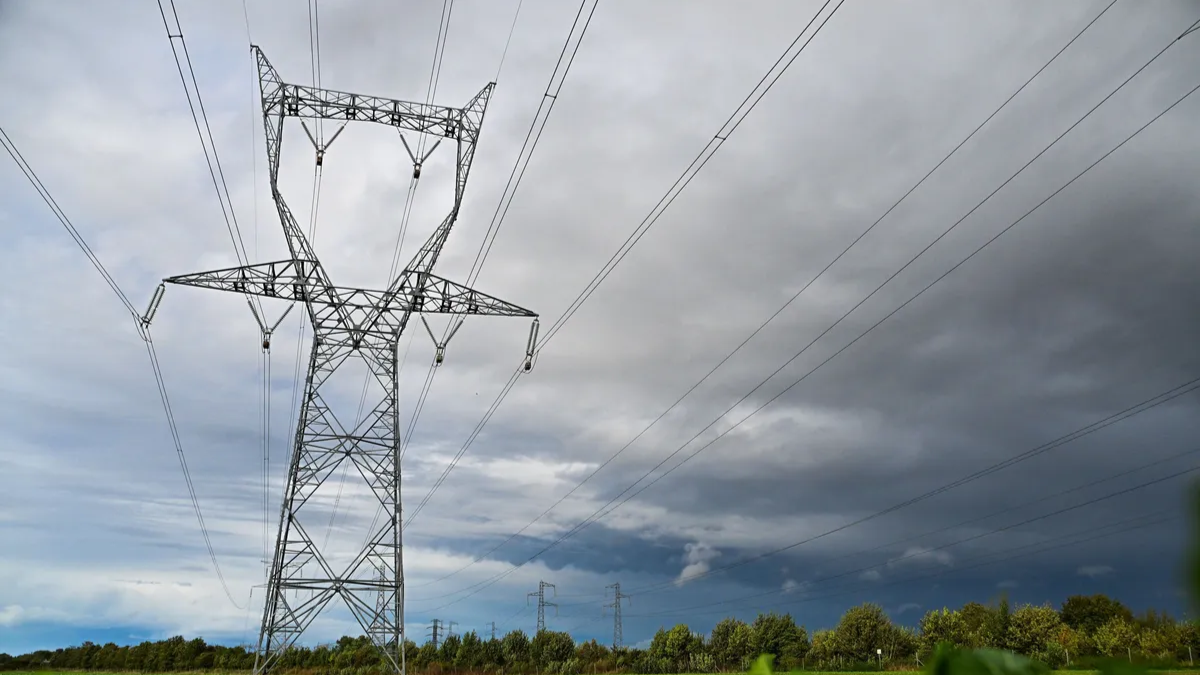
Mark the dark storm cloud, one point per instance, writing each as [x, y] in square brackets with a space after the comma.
[1075, 314]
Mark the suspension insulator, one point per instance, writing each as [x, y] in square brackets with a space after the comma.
[416, 171]
[266, 343]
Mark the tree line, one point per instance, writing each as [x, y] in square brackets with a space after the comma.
[1077, 634]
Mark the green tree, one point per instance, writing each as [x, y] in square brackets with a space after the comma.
[448, 651]
[1087, 613]
[515, 647]
[550, 646]
[591, 652]
[903, 643]
[1032, 631]
[470, 651]
[823, 648]
[976, 625]
[779, 636]
[998, 623]
[493, 653]
[1116, 637]
[1068, 641]
[938, 626]
[675, 647]
[862, 630]
[731, 643]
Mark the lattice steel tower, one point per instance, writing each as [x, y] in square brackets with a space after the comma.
[540, 594]
[349, 323]
[618, 596]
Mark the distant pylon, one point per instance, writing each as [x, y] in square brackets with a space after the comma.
[493, 625]
[437, 623]
[618, 596]
[540, 594]
[450, 629]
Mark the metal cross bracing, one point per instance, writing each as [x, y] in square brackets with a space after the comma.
[349, 323]
[540, 594]
[618, 596]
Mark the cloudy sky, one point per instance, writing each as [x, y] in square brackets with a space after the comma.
[1077, 313]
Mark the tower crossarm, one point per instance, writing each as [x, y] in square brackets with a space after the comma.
[298, 280]
[370, 312]
[421, 292]
[281, 99]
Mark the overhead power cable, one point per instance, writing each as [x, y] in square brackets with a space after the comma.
[44, 193]
[545, 106]
[997, 530]
[536, 127]
[1123, 526]
[265, 365]
[1131, 411]
[727, 129]
[207, 144]
[601, 513]
[887, 316]
[435, 73]
[781, 309]
[628, 496]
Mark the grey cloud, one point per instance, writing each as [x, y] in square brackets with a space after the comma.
[1075, 314]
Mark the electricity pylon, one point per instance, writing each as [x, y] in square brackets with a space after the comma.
[437, 623]
[618, 596]
[349, 323]
[493, 625]
[540, 594]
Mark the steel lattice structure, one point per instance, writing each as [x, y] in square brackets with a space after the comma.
[349, 323]
[618, 631]
[540, 594]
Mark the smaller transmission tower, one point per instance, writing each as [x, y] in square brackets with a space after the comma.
[540, 594]
[434, 632]
[618, 596]
[493, 625]
[450, 628]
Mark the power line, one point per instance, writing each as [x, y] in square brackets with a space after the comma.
[435, 71]
[44, 193]
[723, 133]
[887, 281]
[1128, 412]
[207, 144]
[143, 330]
[1138, 523]
[536, 127]
[601, 513]
[597, 515]
[507, 42]
[997, 530]
[781, 309]
[1115, 418]
[545, 106]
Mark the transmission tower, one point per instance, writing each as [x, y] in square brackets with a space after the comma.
[433, 628]
[349, 323]
[450, 628]
[493, 625]
[540, 594]
[618, 596]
